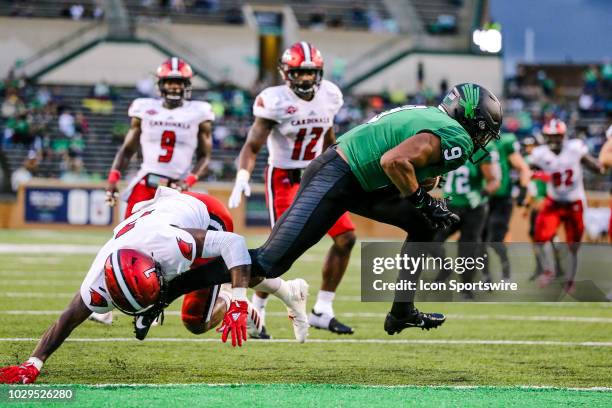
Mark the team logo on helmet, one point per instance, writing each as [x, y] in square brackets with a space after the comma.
[472, 95]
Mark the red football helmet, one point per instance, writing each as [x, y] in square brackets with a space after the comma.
[301, 57]
[174, 69]
[554, 133]
[134, 280]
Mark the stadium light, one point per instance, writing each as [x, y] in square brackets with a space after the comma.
[488, 40]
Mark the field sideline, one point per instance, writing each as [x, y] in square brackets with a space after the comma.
[510, 345]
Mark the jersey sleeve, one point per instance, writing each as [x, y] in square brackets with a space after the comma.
[456, 146]
[268, 105]
[578, 147]
[173, 247]
[511, 143]
[536, 157]
[205, 112]
[137, 108]
[334, 97]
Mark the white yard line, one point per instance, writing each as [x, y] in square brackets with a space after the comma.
[343, 341]
[48, 249]
[576, 319]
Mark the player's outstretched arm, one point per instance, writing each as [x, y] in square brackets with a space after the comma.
[232, 248]
[329, 138]
[258, 134]
[491, 180]
[122, 158]
[26, 373]
[519, 164]
[203, 153]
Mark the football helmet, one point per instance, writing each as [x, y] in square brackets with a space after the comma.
[174, 69]
[554, 132]
[134, 281]
[301, 58]
[477, 110]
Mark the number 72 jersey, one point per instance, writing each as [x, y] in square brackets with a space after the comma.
[565, 170]
[301, 125]
[169, 137]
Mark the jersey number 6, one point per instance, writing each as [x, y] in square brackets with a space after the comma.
[168, 139]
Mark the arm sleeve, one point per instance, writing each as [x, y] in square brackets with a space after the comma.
[231, 247]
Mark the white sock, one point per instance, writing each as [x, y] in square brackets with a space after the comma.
[324, 303]
[277, 287]
[269, 285]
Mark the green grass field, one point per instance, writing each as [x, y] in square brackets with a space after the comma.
[514, 348]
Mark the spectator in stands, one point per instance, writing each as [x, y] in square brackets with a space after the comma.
[77, 11]
[146, 87]
[75, 171]
[177, 6]
[233, 15]
[358, 16]
[101, 90]
[12, 105]
[66, 124]
[20, 129]
[81, 124]
[26, 172]
[316, 20]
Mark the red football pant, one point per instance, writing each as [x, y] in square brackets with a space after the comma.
[140, 192]
[552, 214]
[280, 192]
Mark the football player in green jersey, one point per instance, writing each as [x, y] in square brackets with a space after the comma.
[468, 189]
[507, 150]
[376, 170]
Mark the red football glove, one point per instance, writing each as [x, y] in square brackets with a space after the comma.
[25, 373]
[235, 321]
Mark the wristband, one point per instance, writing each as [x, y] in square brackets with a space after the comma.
[239, 294]
[243, 175]
[36, 362]
[191, 179]
[114, 176]
[418, 197]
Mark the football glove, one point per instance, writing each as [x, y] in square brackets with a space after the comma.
[25, 373]
[434, 209]
[235, 322]
[241, 186]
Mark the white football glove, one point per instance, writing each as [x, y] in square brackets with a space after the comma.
[241, 186]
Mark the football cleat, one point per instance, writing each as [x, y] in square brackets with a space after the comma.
[296, 308]
[328, 322]
[143, 322]
[262, 335]
[104, 318]
[424, 321]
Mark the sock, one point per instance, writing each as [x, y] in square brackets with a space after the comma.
[402, 309]
[259, 303]
[324, 303]
[269, 285]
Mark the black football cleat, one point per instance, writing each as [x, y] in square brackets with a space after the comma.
[263, 335]
[424, 321]
[327, 322]
[143, 322]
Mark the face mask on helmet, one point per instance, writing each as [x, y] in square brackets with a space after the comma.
[477, 110]
[174, 90]
[554, 134]
[304, 81]
[134, 281]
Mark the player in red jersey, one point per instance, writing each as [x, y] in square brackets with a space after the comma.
[168, 131]
[562, 160]
[296, 122]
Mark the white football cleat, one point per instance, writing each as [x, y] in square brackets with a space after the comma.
[296, 308]
[254, 322]
[104, 318]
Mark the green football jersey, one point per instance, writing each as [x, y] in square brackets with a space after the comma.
[365, 144]
[463, 185]
[504, 147]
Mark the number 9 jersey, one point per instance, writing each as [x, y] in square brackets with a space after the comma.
[301, 125]
[169, 137]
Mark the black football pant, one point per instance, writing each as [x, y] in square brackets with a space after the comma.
[328, 189]
[498, 222]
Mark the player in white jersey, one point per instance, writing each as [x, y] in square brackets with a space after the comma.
[296, 121]
[168, 131]
[562, 161]
[605, 157]
[145, 255]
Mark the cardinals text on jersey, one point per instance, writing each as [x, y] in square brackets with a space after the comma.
[565, 170]
[154, 228]
[298, 136]
[169, 136]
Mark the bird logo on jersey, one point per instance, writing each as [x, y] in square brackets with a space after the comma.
[96, 299]
[186, 248]
[291, 110]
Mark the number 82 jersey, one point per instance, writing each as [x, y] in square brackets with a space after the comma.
[301, 125]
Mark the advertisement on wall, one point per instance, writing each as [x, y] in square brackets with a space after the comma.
[79, 206]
